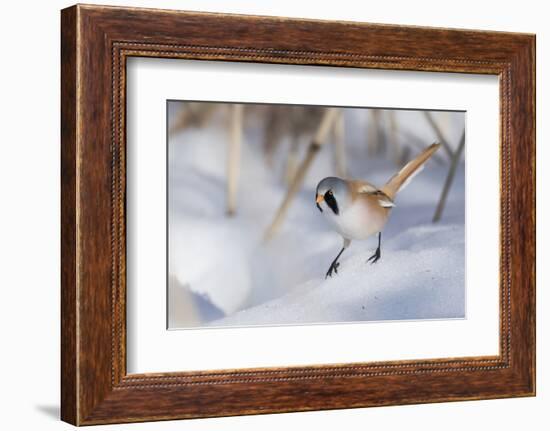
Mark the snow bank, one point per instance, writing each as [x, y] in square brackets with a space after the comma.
[420, 276]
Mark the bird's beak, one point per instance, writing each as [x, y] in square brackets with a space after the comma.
[318, 200]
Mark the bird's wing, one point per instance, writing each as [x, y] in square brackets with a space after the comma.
[365, 188]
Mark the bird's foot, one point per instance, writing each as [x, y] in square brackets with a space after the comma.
[375, 257]
[333, 267]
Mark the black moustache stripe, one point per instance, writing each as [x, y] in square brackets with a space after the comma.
[319, 206]
[331, 202]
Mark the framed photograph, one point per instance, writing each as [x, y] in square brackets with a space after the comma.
[263, 214]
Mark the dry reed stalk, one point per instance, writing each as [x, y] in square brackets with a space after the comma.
[234, 156]
[414, 141]
[439, 133]
[292, 158]
[340, 145]
[394, 138]
[374, 134]
[320, 137]
[449, 180]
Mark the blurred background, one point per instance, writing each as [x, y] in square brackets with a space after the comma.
[247, 245]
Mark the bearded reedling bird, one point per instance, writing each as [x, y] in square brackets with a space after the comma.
[357, 209]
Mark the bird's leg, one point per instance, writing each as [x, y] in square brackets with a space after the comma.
[374, 258]
[335, 264]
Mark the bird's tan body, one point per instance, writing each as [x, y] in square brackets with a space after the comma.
[365, 216]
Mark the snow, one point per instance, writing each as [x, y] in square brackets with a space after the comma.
[222, 270]
[420, 277]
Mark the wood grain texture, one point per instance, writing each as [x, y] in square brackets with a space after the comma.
[69, 331]
[96, 41]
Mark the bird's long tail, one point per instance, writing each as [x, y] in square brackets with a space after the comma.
[407, 173]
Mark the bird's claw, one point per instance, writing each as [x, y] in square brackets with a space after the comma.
[375, 257]
[333, 267]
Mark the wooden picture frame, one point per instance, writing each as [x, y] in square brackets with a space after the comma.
[95, 43]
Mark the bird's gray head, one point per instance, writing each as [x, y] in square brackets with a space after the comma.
[332, 194]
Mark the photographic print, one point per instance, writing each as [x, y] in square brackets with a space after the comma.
[295, 214]
[303, 218]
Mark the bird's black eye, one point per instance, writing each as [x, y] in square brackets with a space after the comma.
[331, 202]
